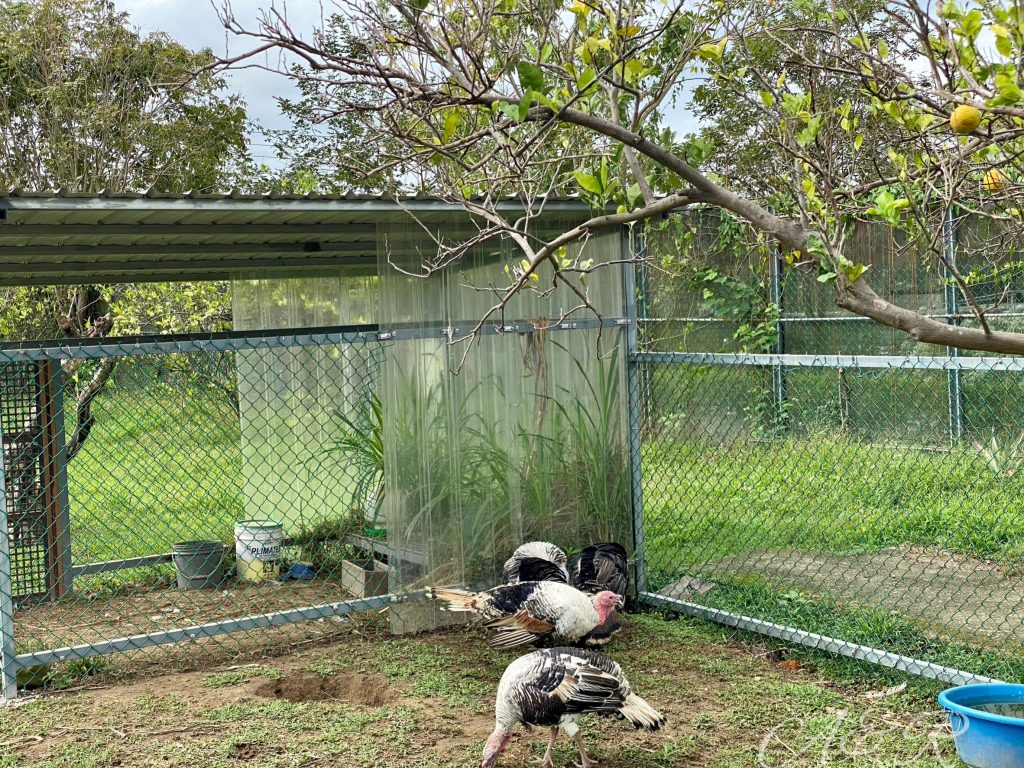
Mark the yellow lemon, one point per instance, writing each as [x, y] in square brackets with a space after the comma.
[994, 180]
[965, 119]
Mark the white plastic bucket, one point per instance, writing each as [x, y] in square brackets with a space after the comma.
[258, 549]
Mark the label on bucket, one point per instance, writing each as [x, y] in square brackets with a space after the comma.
[258, 549]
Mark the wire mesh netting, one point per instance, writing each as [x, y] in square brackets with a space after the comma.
[821, 473]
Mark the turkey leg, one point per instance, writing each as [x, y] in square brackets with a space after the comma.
[585, 762]
[546, 761]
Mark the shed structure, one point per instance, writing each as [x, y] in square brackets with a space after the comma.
[331, 408]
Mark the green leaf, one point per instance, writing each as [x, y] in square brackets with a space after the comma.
[634, 69]
[826, 277]
[810, 131]
[580, 9]
[1009, 91]
[511, 111]
[589, 183]
[451, 124]
[713, 51]
[883, 49]
[971, 24]
[1004, 46]
[768, 99]
[586, 78]
[524, 105]
[531, 78]
[854, 271]
[633, 195]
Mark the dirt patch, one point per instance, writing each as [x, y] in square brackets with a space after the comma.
[720, 700]
[81, 619]
[253, 753]
[363, 690]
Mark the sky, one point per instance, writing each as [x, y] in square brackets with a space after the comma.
[194, 23]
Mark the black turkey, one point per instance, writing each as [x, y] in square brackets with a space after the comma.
[602, 567]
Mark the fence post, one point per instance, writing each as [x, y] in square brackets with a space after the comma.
[8, 669]
[641, 292]
[775, 296]
[632, 244]
[55, 479]
[955, 390]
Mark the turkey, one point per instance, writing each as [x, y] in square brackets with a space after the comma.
[539, 612]
[602, 567]
[536, 561]
[538, 569]
[554, 687]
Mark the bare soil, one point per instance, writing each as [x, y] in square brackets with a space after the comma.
[82, 618]
[364, 690]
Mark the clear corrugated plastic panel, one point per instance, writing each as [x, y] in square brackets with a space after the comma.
[292, 399]
[520, 437]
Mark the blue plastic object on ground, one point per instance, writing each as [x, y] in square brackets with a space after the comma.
[300, 572]
[988, 723]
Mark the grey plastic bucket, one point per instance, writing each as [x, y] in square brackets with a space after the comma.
[198, 564]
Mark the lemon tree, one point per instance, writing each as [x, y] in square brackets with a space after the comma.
[860, 111]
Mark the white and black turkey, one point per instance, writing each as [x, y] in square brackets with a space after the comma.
[538, 612]
[554, 687]
[536, 561]
[602, 567]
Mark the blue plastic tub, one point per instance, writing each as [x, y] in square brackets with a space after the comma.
[986, 727]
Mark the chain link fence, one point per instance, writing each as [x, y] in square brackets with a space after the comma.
[211, 485]
[224, 494]
[823, 479]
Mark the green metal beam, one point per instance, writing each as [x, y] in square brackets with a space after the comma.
[62, 254]
[257, 261]
[254, 205]
[226, 272]
[21, 231]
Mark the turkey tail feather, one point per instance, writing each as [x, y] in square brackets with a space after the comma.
[458, 600]
[505, 639]
[641, 714]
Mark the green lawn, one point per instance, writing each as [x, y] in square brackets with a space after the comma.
[801, 513]
[705, 501]
[159, 467]
[163, 465]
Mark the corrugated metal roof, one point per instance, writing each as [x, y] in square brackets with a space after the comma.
[70, 237]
